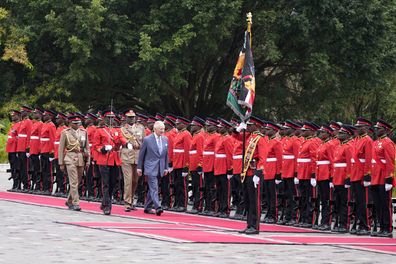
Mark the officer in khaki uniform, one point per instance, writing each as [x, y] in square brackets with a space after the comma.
[132, 138]
[74, 156]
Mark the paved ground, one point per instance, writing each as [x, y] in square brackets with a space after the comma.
[32, 234]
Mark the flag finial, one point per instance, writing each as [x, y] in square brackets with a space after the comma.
[249, 21]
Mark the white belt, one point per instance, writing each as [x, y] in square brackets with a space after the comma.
[22, 135]
[221, 156]
[9, 137]
[271, 159]
[304, 160]
[289, 157]
[382, 160]
[90, 145]
[361, 160]
[34, 137]
[208, 153]
[178, 151]
[237, 157]
[193, 152]
[44, 139]
[56, 143]
[340, 165]
[323, 162]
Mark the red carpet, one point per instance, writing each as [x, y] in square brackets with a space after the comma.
[171, 217]
[336, 239]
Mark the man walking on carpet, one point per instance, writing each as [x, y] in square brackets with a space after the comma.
[153, 161]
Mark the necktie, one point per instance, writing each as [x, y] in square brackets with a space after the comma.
[159, 143]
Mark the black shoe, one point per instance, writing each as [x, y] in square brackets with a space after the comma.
[90, 198]
[101, 207]
[223, 215]
[217, 214]
[385, 234]
[193, 211]
[148, 211]
[181, 209]
[251, 231]
[342, 230]
[306, 225]
[243, 231]
[335, 229]
[159, 211]
[353, 231]
[374, 233]
[315, 227]
[69, 205]
[76, 208]
[290, 223]
[107, 211]
[238, 217]
[24, 190]
[47, 193]
[165, 207]
[324, 228]
[57, 194]
[362, 232]
[127, 209]
[281, 222]
[139, 204]
[133, 207]
[174, 209]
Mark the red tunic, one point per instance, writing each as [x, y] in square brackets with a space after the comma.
[290, 147]
[91, 134]
[306, 160]
[171, 134]
[362, 155]
[223, 155]
[47, 138]
[57, 138]
[237, 153]
[196, 151]
[181, 149]
[208, 151]
[24, 131]
[273, 159]
[12, 138]
[324, 156]
[35, 137]
[259, 153]
[147, 132]
[383, 161]
[341, 162]
[107, 136]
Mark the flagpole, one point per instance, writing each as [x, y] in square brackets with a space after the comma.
[249, 29]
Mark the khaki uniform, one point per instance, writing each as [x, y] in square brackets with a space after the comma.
[74, 153]
[133, 135]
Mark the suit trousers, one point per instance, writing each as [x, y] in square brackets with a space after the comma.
[180, 189]
[75, 174]
[109, 177]
[361, 199]
[130, 182]
[152, 193]
[253, 202]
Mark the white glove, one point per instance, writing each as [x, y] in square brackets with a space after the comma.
[108, 147]
[331, 185]
[296, 181]
[229, 176]
[256, 180]
[51, 159]
[241, 126]
[203, 175]
[170, 169]
[313, 182]
[347, 186]
[366, 184]
[184, 174]
[388, 187]
[129, 146]
[278, 182]
[28, 155]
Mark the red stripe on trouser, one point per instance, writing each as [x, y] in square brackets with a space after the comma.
[200, 192]
[258, 207]
[276, 204]
[313, 213]
[367, 210]
[185, 191]
[390, 211]
[330, 206]
[297, 195]
[348, 211]
[228, 195]
[27, 173]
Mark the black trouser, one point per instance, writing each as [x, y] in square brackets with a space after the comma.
[36, 171]
[270, 195]
[359, 193]
[118, 188]
[140, 190]
[305, 201]
[324, 197]
[46, 170]
[289, 192]
[341, 205]
[23, 170]
[197, 190]
[13, 160]
[238, 197]
[180, 189]
[223, 193]
[97, 189]
[210, 191]
[382, 206]
[253, 204]
[60, 177]
[109, 177]
[90, 180]
[165, 191]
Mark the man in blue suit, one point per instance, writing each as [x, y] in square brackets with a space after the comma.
[153, 162]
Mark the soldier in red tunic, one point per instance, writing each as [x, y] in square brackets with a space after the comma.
[60, 179]
[34, 151]
[11, 148]
[22, 147]
[383, 178]
[47, 139]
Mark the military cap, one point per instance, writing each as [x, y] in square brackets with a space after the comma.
[183, 120]
[197, 121]
[347, 129]
[74, 119]
[335, 125]
[309, 126]
[223, 123]
[382, 123]
[361, 121]
[326, 128]
[272, 125]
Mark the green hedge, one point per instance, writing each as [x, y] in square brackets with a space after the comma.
[4, 127]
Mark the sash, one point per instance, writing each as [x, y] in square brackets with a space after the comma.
[249, 155]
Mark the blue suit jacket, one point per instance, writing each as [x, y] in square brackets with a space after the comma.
[151, 162]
